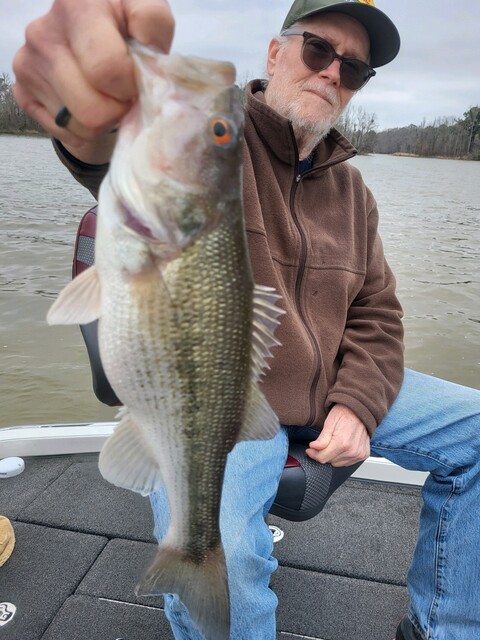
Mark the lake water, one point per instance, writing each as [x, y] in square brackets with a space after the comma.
[430, 224]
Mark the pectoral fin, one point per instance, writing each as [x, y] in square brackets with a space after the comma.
[79, 302]
[126, 459]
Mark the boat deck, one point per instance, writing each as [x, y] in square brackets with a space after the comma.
[82, 545]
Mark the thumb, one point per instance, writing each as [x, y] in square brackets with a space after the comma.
[323, 439]
[150, 22]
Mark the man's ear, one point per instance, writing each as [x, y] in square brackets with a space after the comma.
[273, 49]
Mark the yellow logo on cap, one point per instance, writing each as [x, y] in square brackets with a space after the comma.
[370, 2]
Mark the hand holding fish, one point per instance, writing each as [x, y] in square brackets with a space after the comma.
[76, 56]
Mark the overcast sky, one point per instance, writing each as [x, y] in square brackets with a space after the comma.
[436, 74]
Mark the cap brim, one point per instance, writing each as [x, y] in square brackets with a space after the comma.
[383, 34]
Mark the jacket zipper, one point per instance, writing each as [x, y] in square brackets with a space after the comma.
[298, 302]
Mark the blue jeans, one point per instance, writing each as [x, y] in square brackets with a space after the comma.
[433, 426]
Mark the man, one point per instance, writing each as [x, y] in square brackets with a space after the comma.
[312, 227]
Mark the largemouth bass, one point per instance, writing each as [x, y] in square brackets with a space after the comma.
[183, 331]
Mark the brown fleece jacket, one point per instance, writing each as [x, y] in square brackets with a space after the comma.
[314, 238]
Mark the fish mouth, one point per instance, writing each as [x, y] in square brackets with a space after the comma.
[133, 225]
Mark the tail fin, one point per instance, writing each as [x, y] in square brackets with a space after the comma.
[201, 586]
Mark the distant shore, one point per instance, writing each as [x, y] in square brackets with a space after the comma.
[28, 132]
[401, 154]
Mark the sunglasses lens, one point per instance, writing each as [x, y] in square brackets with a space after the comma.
[354, 74]
[318, 54]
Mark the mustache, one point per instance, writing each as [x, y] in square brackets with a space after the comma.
[327, 93]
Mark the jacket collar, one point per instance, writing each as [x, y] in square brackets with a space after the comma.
[277, 133]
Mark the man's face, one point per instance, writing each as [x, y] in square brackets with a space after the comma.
[314, 100]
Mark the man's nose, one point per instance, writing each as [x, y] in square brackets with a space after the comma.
[332, 72]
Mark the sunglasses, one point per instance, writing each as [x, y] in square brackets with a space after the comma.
[318, 54]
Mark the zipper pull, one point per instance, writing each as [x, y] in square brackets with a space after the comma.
[298, 177]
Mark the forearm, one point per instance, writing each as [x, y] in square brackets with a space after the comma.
[94, 152]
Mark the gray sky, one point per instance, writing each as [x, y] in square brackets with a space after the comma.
[436, 74]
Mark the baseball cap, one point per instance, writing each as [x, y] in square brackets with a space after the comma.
[383, 34]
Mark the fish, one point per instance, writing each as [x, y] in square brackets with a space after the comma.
[184, 332]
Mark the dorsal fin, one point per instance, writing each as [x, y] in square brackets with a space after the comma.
[265, 322]
[260, 421]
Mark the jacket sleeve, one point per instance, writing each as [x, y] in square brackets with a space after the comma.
[89, 176]
[371, 352]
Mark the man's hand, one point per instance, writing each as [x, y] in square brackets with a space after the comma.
[76, 56]
[344, 439]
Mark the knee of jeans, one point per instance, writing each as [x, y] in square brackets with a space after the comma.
[249, 556]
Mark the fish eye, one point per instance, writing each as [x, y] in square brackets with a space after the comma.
[222, 131]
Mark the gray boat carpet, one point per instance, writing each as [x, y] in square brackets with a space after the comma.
[81, 500]
[332, 607]
[363, 532]
[82, 545]
[45, 567]
[85, 618]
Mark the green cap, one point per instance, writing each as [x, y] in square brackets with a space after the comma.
[383, 34]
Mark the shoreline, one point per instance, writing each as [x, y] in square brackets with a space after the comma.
[29, 133]
[402, 154]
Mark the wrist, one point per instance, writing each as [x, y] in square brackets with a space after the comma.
[92, 154]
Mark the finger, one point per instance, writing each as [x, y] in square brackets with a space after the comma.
[101, 55]
[40, 113]
[100, 49]
[93, 112]
[46, 81]
[42, 102]
[335, 458]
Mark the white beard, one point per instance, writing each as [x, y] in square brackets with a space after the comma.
[309, 131]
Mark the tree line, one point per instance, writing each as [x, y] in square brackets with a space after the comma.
[12, 118]
[445, 137]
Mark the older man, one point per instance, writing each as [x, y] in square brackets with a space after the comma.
[312, 227]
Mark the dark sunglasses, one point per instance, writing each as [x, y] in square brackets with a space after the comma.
[318, 54]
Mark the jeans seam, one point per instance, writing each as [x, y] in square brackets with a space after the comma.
[416, 623]
[439, 560]
[414, 452]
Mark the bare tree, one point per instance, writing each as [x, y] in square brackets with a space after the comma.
[12, 118]
[359, 126]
